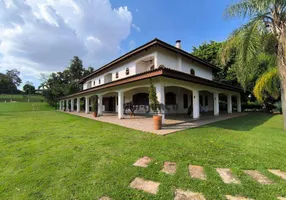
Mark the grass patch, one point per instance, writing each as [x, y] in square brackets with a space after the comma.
[21, 98]
[54, 155]
[24, 107]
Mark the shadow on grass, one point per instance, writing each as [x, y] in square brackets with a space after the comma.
[244, 123]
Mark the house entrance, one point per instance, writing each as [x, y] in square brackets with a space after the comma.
[109, 104]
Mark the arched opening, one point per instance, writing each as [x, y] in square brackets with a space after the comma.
[178, 102]
[192, 72]
[109, 102]
[145, 64]
[141, 99]
[170, 98]
[222, 102]
[185, 101]
[116, 75]
[127, 71]
[206, 102]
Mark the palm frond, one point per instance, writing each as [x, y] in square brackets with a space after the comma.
[267, 84]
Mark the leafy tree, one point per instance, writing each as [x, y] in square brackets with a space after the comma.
[29, 88]
[266, 17]
[154, 103]
[211, 52]
[10, 81]
[208, 52]
[14, 76]
[64, 83]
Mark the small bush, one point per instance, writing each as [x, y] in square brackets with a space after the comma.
[252, 107]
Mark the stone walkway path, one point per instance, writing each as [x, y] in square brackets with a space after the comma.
[197, 172]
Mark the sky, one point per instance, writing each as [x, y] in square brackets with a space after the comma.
[41, 36]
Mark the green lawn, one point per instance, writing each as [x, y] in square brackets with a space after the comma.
[24, 107]
[53, 155]
[21, 98]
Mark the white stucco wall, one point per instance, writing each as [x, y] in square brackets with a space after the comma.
[161, 57]
[121, 69]
[167, 58]
[200, 70]
[177, 62]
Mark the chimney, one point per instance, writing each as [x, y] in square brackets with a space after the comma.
[178, 44]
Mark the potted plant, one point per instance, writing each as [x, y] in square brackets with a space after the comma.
[95, 106]
[155, 106]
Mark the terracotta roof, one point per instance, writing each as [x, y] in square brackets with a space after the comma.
[165, 72]
[146, 46]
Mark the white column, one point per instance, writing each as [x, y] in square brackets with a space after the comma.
[60, 105]
[160, 90]
[196, 104]
[216, 104]
[238, 103]
[229, 104]
[100, 104]
[120, 104]
[67, 105]
[72, 104]
[86, 105]
[78, 105]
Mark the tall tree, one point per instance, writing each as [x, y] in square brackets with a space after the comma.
[14, 76]
[64, 83]
[29, 88]
[208, 52]
[10, 81]
[268, 16]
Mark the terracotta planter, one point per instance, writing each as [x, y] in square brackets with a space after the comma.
[157, 120]
[95, 114]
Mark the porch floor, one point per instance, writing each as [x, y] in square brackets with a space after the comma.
[173, 123]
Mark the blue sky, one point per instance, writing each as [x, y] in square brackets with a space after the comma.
[42, 36]
[191, 21]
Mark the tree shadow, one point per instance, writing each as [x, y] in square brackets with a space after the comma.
[243, 123]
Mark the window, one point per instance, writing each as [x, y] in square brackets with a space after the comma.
[170, 98]
[192, 72]
[185, 97]
[141, 99]
[116, 75]
[99, 81]
[93, 83]
[127, 71]
[206, 101]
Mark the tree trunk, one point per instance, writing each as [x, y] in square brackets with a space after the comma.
[282, 71]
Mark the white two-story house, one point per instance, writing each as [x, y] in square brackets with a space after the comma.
[184, 84]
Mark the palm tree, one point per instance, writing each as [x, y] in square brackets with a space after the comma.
[267, 85]
[266, 17]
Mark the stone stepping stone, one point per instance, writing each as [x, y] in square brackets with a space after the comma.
[143, 162]
[278, 172]
[229, 197]
[197, 172]
[105, 198]
[226, 176]
[169, 167]
[260, 178]
[145, 185]
[281, 198]
[188, 195]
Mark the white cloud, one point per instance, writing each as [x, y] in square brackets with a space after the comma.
[42, 36]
